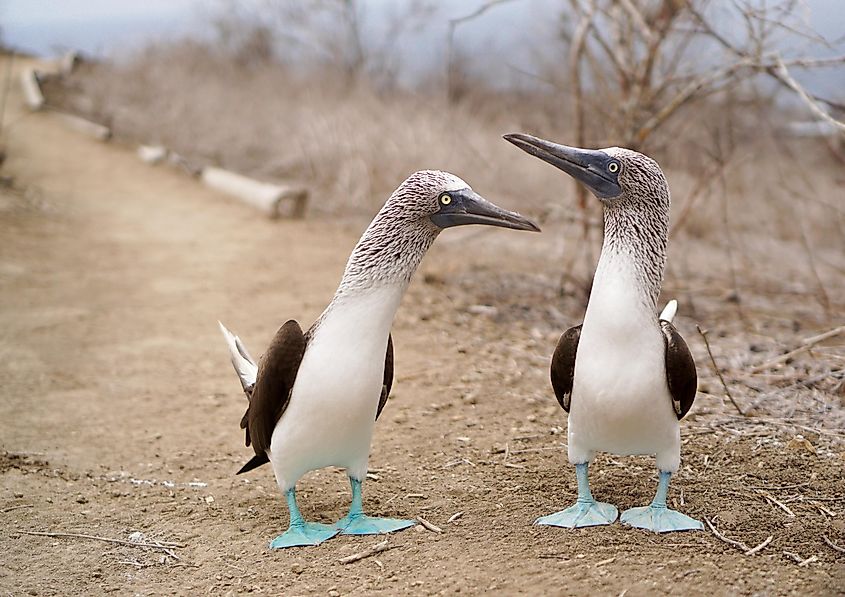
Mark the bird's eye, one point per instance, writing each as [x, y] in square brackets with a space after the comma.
[613, 167]
[445, 199]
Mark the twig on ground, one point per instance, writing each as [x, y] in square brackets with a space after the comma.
[164, 545]
[431, 527]
[719, 535]
[799, 560]
[371, 551]
[805, 345]
[454, 517]
[527, 450]
[717, 370]
[749, 551]
[777, 503]
[833, 545]
[760, 547]
[135, 563]
[10, 508]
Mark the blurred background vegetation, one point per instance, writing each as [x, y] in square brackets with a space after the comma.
[740, 101]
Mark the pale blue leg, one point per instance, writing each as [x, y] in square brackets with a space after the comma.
[358, 523]
[586, 512]
[299, 531]
[657, 517]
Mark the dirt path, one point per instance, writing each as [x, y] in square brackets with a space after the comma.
[114, 379]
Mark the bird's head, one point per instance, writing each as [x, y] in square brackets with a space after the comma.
[617, 176]
[443, 200]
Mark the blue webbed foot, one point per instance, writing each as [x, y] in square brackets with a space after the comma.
[304, 533]
[583, 513]
[361, 524]
[659, 519]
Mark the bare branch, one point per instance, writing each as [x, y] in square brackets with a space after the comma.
[783, 75]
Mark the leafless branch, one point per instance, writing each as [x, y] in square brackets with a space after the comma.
[718, 371]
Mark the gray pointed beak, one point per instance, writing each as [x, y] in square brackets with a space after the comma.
[589, 166]
[468, 207]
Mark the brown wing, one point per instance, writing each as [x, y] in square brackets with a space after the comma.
[563, 365]
[388, 376]
[680, 370]
[271, 393]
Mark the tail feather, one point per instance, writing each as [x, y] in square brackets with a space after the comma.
[243, 363]
[254, 462]
[668, 313]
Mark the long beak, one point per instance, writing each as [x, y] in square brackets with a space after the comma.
[588, 166]
[468, 207]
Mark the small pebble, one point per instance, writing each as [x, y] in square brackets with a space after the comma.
[297, 569]
[18, 494]
[81, 499]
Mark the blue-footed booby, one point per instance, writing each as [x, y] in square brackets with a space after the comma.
[625, 376]
[314, 397]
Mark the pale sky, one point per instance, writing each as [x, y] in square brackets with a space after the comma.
[504, 40]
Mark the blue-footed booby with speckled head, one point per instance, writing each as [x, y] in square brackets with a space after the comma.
[315, 396]
[625, 376]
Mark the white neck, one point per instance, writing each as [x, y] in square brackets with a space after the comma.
[366, 312]
[620, 304]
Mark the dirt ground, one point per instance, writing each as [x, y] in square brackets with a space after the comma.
[119, 409]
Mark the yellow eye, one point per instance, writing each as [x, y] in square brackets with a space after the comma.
[613, 167]
[445, 199]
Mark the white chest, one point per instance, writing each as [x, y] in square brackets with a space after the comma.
[620, 398]
[329, 420]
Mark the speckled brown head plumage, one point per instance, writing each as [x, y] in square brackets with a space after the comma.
[428, 201]
[635, 195]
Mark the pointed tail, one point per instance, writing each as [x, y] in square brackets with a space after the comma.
[668, 312]
[243, 363]
[254, 462]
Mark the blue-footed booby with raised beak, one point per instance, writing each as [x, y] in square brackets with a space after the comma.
[314, 397]
[625, 376]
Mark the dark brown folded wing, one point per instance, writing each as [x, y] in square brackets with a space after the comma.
[388, 376]
[271, 393]
[563, 366]
[680, 370]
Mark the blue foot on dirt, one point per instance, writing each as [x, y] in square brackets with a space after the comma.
[304, 533]
[361, 524]
[358, 523]
[300, 532]
[581, 514]
[657, 517]
[586, 512]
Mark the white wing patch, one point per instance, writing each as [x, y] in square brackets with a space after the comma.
[243, 363]
[668, 312]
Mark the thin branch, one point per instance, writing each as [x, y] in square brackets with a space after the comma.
[165, 545]
[719, 535]
[832, 544]
[371, 551]
[431, 527]
[783, 74]
[718, 371]
[805, 345]
[760, 547]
